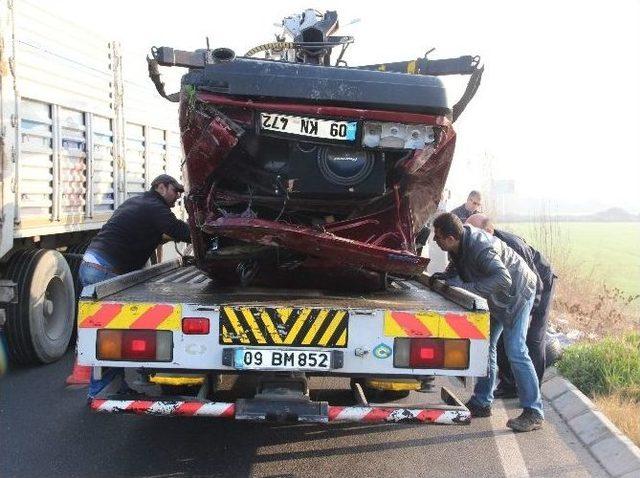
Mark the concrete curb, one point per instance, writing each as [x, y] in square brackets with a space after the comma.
[608, 445]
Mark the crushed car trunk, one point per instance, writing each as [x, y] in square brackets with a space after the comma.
[302, 174]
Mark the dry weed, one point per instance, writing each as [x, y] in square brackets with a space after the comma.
[582, 301]
[590, 306]
[623, 412]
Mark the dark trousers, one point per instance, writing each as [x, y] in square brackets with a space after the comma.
[535, 340]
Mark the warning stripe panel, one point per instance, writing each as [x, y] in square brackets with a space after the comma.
[130, 315]
[335, 413]
[449, 325]
[399, 415]
[165, 407]
[299, 327]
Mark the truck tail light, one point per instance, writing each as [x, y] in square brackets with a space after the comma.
[426, 353]
[456, 354]
[135, 345]
[195, 326]
[431, 353]
[139, 345]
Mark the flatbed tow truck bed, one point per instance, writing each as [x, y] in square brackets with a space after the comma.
[172, 326]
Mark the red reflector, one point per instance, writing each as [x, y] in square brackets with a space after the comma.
[195, 326]
[139, 344]
[426, 353]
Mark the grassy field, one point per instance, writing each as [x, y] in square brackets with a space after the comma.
[608, 253]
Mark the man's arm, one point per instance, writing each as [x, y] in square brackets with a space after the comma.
[170, 225]
[524, 250]
[543, 267]
[496, 277]
[449, 275]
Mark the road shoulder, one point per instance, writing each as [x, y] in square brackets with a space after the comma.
[606, 443]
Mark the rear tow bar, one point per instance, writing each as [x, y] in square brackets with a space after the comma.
[289, 410]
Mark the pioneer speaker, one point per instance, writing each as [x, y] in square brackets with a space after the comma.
[319, 171]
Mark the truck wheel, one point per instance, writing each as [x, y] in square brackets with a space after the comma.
[74, 261]
[39, 326]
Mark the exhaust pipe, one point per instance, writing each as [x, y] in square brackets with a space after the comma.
[222, 55]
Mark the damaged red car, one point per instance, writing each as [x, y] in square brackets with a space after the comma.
[305, 172]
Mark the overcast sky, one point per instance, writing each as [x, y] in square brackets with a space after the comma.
[558, 110]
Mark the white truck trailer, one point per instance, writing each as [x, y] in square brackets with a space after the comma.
[76, 139]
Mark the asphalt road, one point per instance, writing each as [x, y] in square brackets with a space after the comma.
[47, 431]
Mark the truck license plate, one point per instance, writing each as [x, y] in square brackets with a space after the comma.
[249, 359]
[305, 126]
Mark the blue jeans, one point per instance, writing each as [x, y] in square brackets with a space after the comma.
[515, 343]
[91, 275]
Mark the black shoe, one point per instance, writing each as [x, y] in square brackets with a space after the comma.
[478, 411]
[528, 420]
[505, 391]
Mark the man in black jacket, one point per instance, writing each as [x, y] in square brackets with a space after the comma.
[471, 206]
[541, 308]
[489, 268]
[125, 243]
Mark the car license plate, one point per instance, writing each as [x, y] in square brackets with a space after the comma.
[313, 127]
[270, 359]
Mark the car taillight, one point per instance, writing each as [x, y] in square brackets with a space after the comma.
[135, 345]
[195, 326]
[431, 353]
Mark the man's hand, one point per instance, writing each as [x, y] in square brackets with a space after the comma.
[436, 276]
[454, 281]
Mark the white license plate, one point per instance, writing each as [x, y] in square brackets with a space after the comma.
[304, 126]
[281, 359]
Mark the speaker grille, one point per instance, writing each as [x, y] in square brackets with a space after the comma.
[345, 167]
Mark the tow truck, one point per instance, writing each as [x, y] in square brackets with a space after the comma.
[310, 185]
[177, 334]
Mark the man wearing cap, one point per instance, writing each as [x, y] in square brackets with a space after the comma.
[125, 243]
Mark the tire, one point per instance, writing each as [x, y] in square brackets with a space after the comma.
[74, 261]
[39, 326]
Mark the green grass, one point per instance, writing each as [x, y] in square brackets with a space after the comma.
[605, 252]
[611, 365]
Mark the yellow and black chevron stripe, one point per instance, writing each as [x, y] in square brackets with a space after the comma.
[299, 327]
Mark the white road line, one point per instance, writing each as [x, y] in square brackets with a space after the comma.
[508, 449]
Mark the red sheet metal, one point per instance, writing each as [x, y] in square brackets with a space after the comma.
[318, 243]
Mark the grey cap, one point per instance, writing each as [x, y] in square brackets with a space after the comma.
[166, 179]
